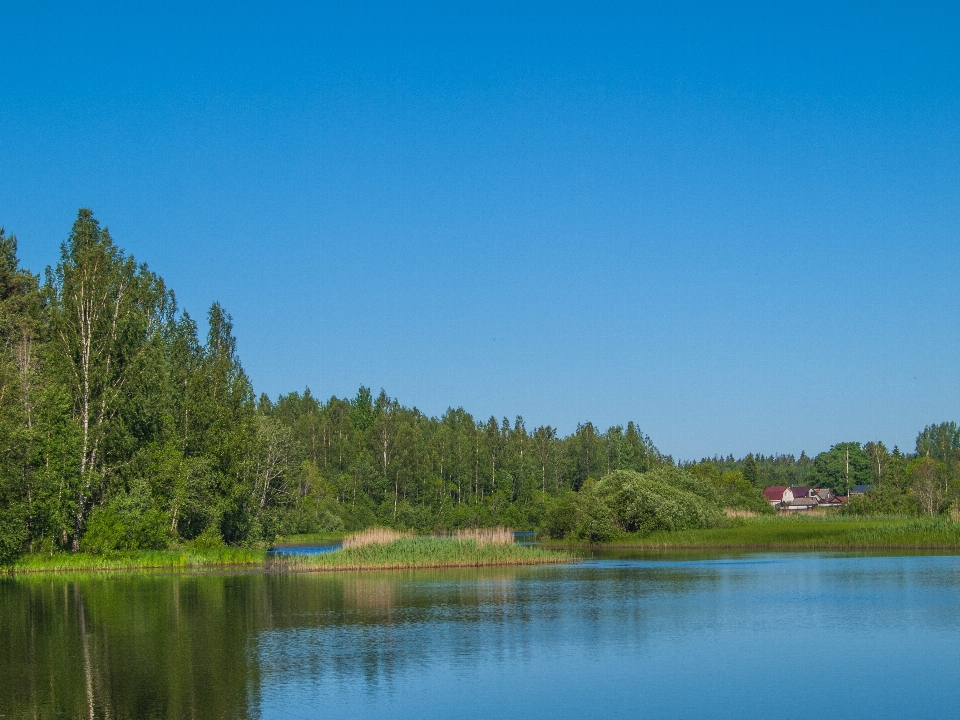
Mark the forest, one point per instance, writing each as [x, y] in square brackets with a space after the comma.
[121, 429]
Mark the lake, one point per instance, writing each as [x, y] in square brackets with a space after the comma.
[619, 636]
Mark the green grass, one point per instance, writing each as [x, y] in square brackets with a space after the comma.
[415, 552]
[138, 560]
[795, 532]
[424, 552]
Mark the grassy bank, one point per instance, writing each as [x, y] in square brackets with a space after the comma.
[138, 560]
[424, 552]
[798, 532]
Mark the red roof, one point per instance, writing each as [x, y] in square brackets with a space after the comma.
[774, 493]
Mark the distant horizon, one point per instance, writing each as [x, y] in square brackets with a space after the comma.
[735, 224]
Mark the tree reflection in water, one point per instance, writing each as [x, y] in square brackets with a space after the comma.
[172, 646]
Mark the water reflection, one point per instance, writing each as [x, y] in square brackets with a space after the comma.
[148, 647]
[673, 636]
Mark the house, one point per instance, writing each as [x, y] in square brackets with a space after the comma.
[803, 503]
[803, 491]
[861, 489]
[778, 495]
[828, 498]
[825, 495]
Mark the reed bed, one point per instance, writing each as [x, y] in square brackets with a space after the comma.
[373, 536]
[424, 552]
[138, 560]
[486, 536]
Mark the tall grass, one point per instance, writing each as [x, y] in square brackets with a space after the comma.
[372, 536]
[739, 513]
[811, 532]
[424, 552]
[486, 536]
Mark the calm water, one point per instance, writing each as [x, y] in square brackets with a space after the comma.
[772, 636]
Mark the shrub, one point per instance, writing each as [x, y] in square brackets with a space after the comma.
[882, 501]
[209, 539]
[663, 499]
[128, 521]
[561, 517]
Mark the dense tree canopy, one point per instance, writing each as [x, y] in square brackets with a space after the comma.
[121, 428]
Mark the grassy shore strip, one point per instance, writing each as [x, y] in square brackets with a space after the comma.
[806, 533]
[187, 559]
[424, 552]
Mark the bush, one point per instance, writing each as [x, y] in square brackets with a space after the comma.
[561, 517]
[663, 499]
[882, 501]
[129, 521]
[677, 478]
[598, 520]
[209, 539]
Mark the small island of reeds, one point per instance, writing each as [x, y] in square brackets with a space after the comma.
[384, 549]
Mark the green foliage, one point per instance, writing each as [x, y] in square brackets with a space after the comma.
[129, 521]
[664, 499]
[122, 429]
[751, 473]
[931, 484]
[841, 467]
[127, 431]
[882, 500]
[13, 534]
[731, 488]
[626, 502]
[209, 539]
[561, 517]
[770, 469]
[940, 442]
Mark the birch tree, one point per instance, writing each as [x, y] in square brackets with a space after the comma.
[104, 311]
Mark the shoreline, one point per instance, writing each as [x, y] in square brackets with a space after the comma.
[761, 534]
[794, 533]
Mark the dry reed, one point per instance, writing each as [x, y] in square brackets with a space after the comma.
[486, 536]
[372, 536]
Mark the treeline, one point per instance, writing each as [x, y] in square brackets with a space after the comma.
[121, 428]
[924, 482]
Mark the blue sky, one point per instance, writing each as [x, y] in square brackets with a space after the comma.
[736, 224]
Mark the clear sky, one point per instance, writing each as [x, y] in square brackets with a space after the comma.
[736, 224]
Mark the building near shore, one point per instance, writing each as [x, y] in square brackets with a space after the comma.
[778, 495]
